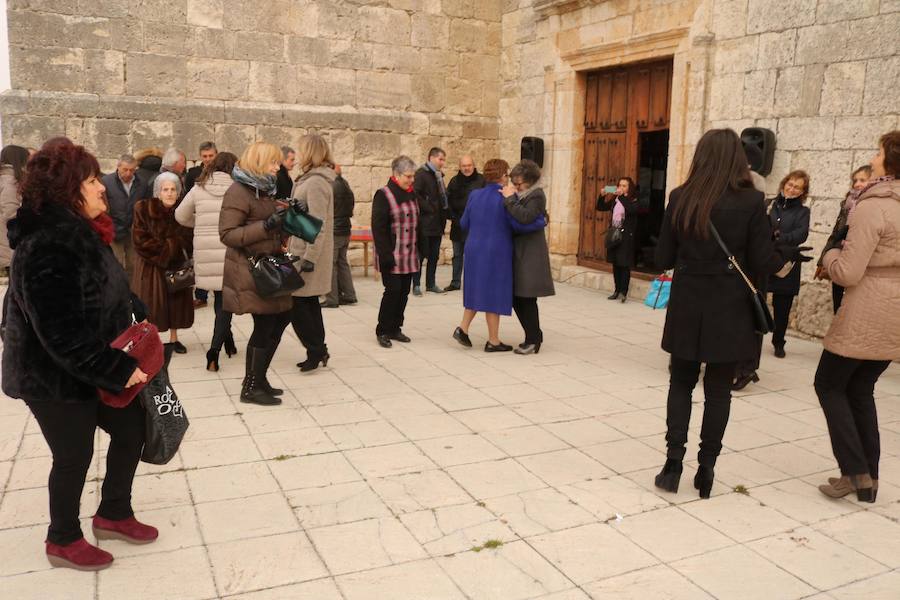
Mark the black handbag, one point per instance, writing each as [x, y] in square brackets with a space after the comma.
[614, 236]
[166, 422]
[762, 318]
[274, 274]
[181, 277]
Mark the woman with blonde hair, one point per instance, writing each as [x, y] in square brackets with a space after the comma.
[314, 190]
[250, 225]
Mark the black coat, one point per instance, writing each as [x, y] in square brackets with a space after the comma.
[458, 191]
[190, 178]
[382, 225]
[710, 318]
[121, 203]
[432, 208]
[623, 254]
[68, 299]
[791, 218]
[344, 202]
[284, 185]
[147, 170]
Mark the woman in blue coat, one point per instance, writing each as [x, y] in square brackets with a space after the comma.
[488, 256]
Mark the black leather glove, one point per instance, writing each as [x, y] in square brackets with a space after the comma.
[795, 253]
[299, 204]
[307, 267]
[841, 236]
[275, 219]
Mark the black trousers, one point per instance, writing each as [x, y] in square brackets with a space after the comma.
[306, 317]
[837, 296]
[268, 329]
[622, 277]
[393, 303]
[527, 313]
[846, 391]
[781, 305]
[69, 431]
[433, 248]
[716, 409]
[750, 366]
[222, 326]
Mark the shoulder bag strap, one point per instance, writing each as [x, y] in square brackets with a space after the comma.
[731, 258]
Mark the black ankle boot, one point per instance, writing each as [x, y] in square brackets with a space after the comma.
[212, 360]
[703, 480]
[313, 359]
[670, 476]
[230, 348]
[252, 391]
[613, 296]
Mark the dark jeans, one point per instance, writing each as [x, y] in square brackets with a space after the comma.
[268, 329]
[781, 305]
[717, 389]
[341, 276]
[201, 294]
[433, 251]
[393, 303]
[306, 317]
[222, 326]
[69, 431]
[846, 391]
[458, 253]
[837, 296]
[622, 277]
[527, 313]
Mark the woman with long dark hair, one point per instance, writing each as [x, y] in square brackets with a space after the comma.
[12, 169]
[68, 299]
[200, 211]
[710, 317]
[624, 206]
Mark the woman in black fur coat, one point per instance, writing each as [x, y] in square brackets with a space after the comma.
[68, 299]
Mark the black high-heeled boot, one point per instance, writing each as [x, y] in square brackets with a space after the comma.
[670, 476]
[703, 480]
[212, 360]
[313, 360]
[230, 348]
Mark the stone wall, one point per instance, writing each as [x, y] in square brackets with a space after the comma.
[822, 74]
[377, 78]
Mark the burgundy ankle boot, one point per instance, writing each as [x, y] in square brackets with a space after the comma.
[78, 555]
[130, 530]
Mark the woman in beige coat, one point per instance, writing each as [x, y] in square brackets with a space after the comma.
[200, 211]
[250, 225]
[865, 334]
[314, 187]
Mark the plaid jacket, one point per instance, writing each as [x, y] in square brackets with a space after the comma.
[404, 225]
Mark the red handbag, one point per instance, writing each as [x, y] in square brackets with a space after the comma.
[141, 342]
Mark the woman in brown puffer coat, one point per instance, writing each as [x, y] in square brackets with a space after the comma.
[162, 244]
[865, 335]
[250, 225]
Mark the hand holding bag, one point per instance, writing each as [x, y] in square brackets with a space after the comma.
[614, 236]
[181, 277]
[140, 341]
[165, 422]
[274, 274]
[762, 318]
[301, 224]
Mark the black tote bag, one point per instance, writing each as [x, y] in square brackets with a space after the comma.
[165, 419]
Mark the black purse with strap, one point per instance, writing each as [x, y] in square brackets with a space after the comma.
[274, 275]
[762, 318]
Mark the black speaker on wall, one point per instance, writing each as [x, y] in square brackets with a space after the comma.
[533, 149]
[764, 140]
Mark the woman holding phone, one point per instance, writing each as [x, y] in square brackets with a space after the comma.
[623, 202]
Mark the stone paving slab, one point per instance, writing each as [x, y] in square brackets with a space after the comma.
[430, 471]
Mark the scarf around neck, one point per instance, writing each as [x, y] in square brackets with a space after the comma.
[265, 184]
[104, 226]
[853, 196]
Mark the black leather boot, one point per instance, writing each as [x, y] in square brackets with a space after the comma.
[703, 480]
[670, 476]
[252, 391]
[270, 354]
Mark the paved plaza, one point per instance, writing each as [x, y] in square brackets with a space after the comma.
[434, 472]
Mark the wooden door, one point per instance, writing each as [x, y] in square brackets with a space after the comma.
[639, 97]
[604, 164]
[660, 96]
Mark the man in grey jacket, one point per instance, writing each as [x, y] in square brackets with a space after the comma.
[123, 189]
[342, 291]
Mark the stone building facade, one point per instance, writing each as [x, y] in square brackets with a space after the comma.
[384, 77]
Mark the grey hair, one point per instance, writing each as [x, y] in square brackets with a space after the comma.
[285, 150]
[208, 146]
[127, 159]
[172, 156]
[163, 178]
[402, 164]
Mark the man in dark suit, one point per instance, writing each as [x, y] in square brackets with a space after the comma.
[432, 196]
[208, 152]
[123, 189]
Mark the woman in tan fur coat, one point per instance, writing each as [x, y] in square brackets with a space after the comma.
[865, 334]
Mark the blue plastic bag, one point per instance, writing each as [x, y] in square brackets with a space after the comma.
[658, 296]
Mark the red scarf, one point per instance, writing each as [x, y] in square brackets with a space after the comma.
[104, 227]
[394, 179]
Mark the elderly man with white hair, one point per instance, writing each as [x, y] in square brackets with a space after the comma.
[123, 189]
[173, 161]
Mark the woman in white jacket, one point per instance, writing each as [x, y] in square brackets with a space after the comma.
[200, 210]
